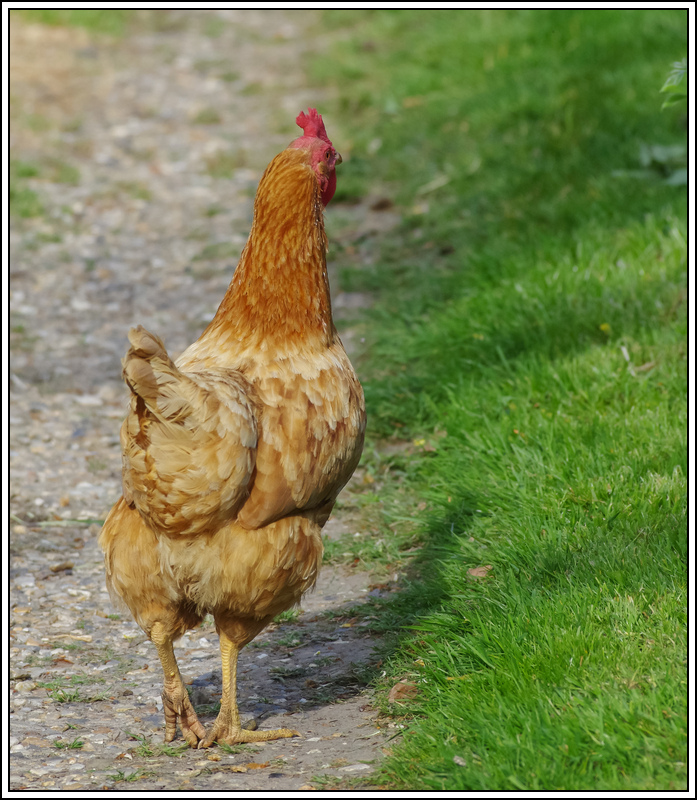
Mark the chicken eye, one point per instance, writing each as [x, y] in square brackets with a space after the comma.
[328, 154]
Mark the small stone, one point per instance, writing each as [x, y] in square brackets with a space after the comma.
[40, 771]
[37, 742]
[62, 566]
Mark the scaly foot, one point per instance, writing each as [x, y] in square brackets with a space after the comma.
[226, 731]
[175, 699]
[227, 727]
[177, 706]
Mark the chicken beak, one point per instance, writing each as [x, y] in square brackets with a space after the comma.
[339, 159]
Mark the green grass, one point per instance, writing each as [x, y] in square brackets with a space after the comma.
[530, 333]
[113, 22]
[130, 776]
[225, 164]
[24, 202]
[290, 639]
[217, 250]
[290, 615]
[76, 744]
[66, 689]
[146, 749]
[135, 189]
[207, 116]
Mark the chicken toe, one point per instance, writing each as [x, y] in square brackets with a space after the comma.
[177, 707]
[175, 699]
[227, 731]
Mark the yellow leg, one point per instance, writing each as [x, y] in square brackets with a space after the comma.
[227, 726]
[175, 698]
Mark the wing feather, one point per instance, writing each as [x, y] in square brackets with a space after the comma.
[310, 439]
[189, 440]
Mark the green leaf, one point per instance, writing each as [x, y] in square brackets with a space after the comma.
[678, 177]
[675, 78]
[673, 85]
[673, 99]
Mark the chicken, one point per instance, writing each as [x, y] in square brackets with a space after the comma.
[233, 456]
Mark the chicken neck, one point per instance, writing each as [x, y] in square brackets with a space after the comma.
[279, 292]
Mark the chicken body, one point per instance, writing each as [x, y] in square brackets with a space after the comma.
[234, 456]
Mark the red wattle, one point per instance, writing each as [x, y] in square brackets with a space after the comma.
[329, 189]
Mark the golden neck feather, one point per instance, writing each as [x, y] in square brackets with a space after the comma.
[280, 289]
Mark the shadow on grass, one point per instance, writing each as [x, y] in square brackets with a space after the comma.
[593, 552]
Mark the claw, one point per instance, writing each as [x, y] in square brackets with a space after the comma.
[178, 707]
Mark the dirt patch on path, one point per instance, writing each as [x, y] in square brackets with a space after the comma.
[143, 155]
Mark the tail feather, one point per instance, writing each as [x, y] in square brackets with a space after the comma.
[151, 374]
[189, 441]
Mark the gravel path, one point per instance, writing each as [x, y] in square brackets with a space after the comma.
[148, 150]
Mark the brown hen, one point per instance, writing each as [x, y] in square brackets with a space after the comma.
[234, 455]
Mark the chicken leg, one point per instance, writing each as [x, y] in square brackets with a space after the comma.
[227, 726]
[175, 698]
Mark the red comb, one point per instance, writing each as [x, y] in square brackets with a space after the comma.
[312, 124]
